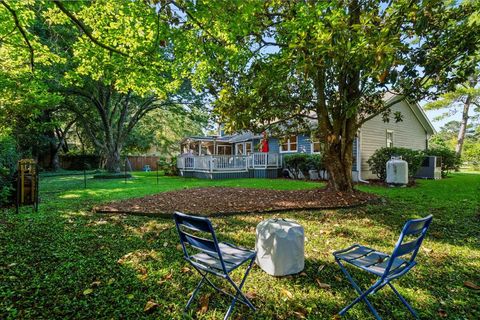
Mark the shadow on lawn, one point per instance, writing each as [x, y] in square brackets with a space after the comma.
[432, 283]
[52, 260]
[128, 261]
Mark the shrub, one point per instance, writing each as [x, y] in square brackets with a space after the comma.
[77, 161]
[450, 161]
[296, 163]
[471, 154]
[107, 175]
[378, 161]
[168, 166]
[315, 162]
[8, 165]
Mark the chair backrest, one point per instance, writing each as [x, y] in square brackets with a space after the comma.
[410, 240]
[186, 223]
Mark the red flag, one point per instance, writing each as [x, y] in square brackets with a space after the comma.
[264, 142]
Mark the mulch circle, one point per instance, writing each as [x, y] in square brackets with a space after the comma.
[382, 183]
[218, 201]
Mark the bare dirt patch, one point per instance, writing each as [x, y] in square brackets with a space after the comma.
[215, 201]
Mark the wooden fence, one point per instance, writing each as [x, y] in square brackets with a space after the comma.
[138, 162]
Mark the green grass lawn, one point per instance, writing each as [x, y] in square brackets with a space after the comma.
[65, 262]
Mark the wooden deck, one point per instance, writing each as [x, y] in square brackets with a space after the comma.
[256, 165]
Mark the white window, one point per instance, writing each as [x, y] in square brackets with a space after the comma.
[240, 149]
[389, 138]
[288, 144]
[206, 148]
[316, 146]
[248, 147]
[224, 149]
[244, 148]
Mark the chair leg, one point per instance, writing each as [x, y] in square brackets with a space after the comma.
[409, 307]
[363, 295]
[239, 296]
[204, 277]
[239, 293]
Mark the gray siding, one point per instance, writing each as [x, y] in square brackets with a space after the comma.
[408, 133]
[266, 173]
[252, 173]
[305, 146]
[256, 142]
[273, 145]
[355, 146]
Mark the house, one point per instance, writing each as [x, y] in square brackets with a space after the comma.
[244, 154]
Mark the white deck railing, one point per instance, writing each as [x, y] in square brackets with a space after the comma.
[229, 162]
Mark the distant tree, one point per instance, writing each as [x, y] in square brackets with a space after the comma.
[109, 117]
[464, 98]
[163, 129]
[107, 63]
[448, 133]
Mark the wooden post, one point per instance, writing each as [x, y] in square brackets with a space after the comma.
[84, 168]
[18, 189]
[37, 186]
[27, 167]
[125, 170]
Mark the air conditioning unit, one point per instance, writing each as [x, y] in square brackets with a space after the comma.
[431, 168]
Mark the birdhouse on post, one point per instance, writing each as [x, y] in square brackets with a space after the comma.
[27, 183]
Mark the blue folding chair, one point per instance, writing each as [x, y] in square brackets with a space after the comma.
[212, 257]
[386, 267]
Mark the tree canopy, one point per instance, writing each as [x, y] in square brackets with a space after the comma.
[329, 65]
[107, 64]
[320, 66]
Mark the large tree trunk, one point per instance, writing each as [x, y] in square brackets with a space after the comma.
[463, 127]
[55, 161]
[339, 166]
[113, 161]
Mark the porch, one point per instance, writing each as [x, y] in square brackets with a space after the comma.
[254, 165]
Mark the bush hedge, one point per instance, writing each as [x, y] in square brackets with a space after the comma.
[168, 166]
[79, 161]
[378, 161]
[297, 163]
[8, 166]
[450, 160]
[303, 163]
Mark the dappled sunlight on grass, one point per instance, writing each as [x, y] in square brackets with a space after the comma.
[140, 261]
[153, 228]
[70, 196]
[70, 214]
[137, 257]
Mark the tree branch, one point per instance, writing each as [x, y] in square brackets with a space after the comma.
[198, 23]
[22, 31]
[84, 28]
[8, 34]
[383, 109]
[87, 126]
[63, 134]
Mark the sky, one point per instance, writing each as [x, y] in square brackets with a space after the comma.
[431, 114]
